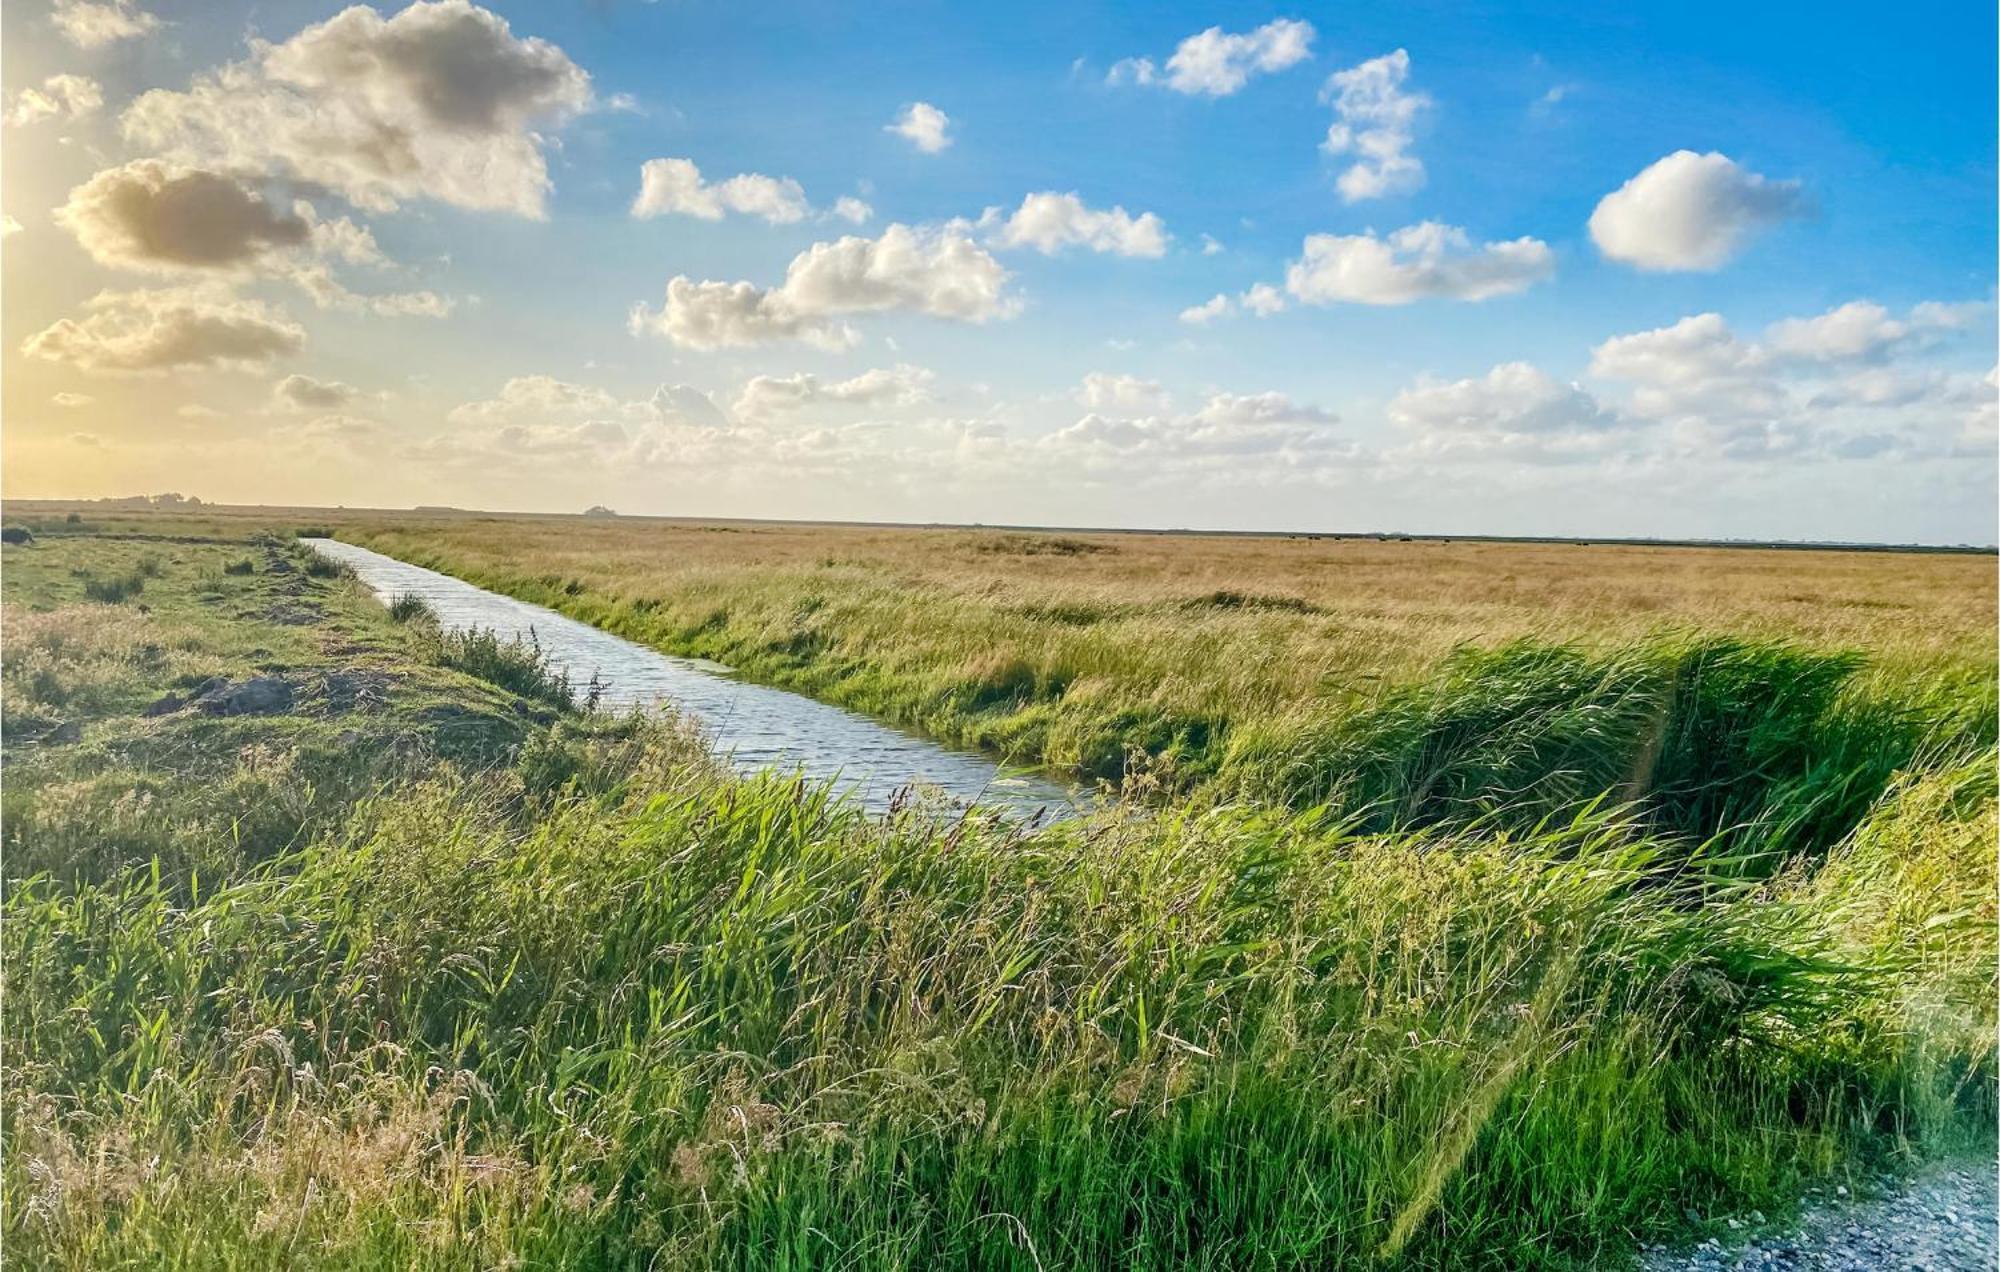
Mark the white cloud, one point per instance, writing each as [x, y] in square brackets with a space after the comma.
[676, 185]
[1375, 121]
[1862, 330]
[764, 396]
[939, 272]
[1214, 307]
[59, 97]
[1690, 212]
[923, 126]
[1248, 437]
[1816, 386]
[852, 210]
[1104, 391]
[1049, 222]
[304, 393]
[441, 101]
[715, 315]
[1210, 245]
[141, 331]
[89, 24]
[1216, 63]
[9, 227]
[1515, 411]
[532, 401]
[1418, 262]
[72, 400]
[1263, 300]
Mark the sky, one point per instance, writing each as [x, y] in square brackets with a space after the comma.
[1653, 269]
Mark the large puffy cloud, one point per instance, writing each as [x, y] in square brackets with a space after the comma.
[151, 215]
[676, 186]
[1418, 262]
[167, 328]
[923, 126]
[157, 217]
[765, 396]
[1374, 122]
[59, 97]
[89, 24]
[1516, 411]
[939, 272]
[1216, 63]
[1049, 222]
[1690, 212]
[441, 101]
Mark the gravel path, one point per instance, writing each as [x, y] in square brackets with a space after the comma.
[1942, 1220]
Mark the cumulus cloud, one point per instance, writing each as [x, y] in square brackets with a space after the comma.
[1804, 386]
[539, 418]
[1216, 63]
[1515, 410]
[9, 227]
[1229, 435]
[852, 210]
[304, 393]
[1374, 121]
[532, 400]
[939, 272]
[72, 400]
[150, 215]
[59, 97]
[1103, 391]
[1862, 330]
[89, 24]
[441, 101]
[167, 328]
[1690, 212]
[1048, 222]
[1261, 299]
[923, 126]
[765, 396]
[676, 186]
[1419, 262]
[1216, 306]
[157, 217]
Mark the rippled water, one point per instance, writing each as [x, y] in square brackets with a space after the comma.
[755, 726]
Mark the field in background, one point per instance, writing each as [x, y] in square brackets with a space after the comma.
[1479, 905]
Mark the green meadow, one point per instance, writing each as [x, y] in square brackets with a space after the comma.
[1426, 920]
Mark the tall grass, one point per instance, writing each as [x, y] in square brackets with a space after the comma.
[697, 1022]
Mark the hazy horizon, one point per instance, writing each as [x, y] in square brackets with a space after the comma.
[1676, 272]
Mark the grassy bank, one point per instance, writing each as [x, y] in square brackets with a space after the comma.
[573, 997]
[1769, 692]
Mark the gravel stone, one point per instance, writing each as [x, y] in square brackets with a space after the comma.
[1942, 1219]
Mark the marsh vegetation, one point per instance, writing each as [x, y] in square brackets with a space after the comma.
[1466, 906]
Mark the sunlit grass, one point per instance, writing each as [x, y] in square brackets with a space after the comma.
[1513, 955]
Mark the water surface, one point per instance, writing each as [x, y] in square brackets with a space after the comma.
[754, 726]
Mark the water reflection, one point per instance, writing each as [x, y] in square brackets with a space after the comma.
[755, 726]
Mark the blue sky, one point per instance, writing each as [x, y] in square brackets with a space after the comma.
[1834, 211]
